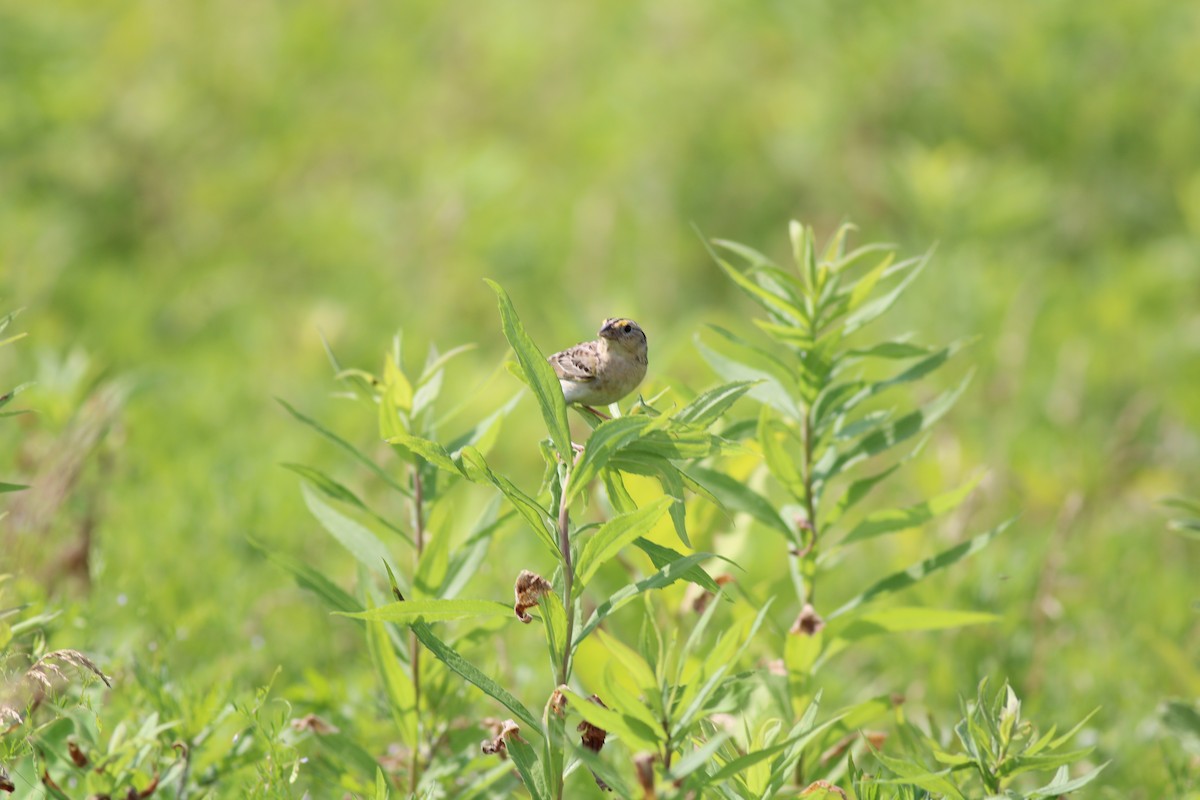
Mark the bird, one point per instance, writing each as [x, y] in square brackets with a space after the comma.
[603, 371]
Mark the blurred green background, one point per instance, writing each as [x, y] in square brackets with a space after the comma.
[190, 194]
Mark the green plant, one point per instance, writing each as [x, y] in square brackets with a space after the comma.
[996, 752]
[664, 695]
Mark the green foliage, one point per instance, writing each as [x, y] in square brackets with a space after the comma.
[995, 751]
[197, 199]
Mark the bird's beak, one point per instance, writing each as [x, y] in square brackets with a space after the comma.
[608, 330]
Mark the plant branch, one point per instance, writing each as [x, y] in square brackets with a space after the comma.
[414, 647]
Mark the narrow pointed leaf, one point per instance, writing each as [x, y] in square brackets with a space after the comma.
[921, 570]
[736, 496]
[313, 580]
[709, 406]
[670, 573]
[349, 448]
[662, 557]
[397, 685]
[606, 440]
[407, 612]
[855, 626]
[358, 540]
[452, 659]
[538, 373]
[615, 535]
[525, 759]
[881, 523]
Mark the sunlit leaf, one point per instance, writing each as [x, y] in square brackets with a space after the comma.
[921, 570]
[381, 473]
[451, 658]
[736, 496]
[360, 542]
[407, 612]
[880, 523]
[397, 684]
[708, 407]
[673, 571]
[538, 373]
[854, 626]
[736, 360]
[615, 535]
[606, 440]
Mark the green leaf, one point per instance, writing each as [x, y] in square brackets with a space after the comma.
[921, 570]
[451, 658]
[11, 487]
[880, 523]
[898, 350]
[311, 579]
[538, 518]
[614, 535]
[1183, 504]
[360, 542]
[381, 785]
[736, 360]
[468, 556]
[601, 769]
[913, 774]
[1181, 716]
[862, 289]
[634, 731]
[408, 612]
[7, 397]
[606, 440]
[397, 685]
[538, 373]
[435, 362]
[801, 736]
[738, 497]
[662, 556]
[709, 406]
[381, 473]
[779, 304]
[697, 758]
[855, 626]
[432, 452]
[1023, 763]
[1189, 528]
[772, 436]
[1062, 783]
[525, 759]
[893, 433]
[673, 571]
[336, 491]
[876, 308]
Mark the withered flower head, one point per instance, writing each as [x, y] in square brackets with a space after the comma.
[644, 764]
[504, 731]
[809, 622]
[311, 722]
[530, 587]
[593, 739]
[558, 701]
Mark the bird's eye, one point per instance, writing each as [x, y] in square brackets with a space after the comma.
[628, 329]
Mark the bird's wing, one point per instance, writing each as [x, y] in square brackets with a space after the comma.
[577, 364]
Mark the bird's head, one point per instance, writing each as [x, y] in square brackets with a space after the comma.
[625, 333]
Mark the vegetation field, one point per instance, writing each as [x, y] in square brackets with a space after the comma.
[906, 505]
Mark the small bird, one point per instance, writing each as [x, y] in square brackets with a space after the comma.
[605, 370]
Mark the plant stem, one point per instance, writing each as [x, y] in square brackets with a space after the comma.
[810, 506]
[564, 546]
[414, 647]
